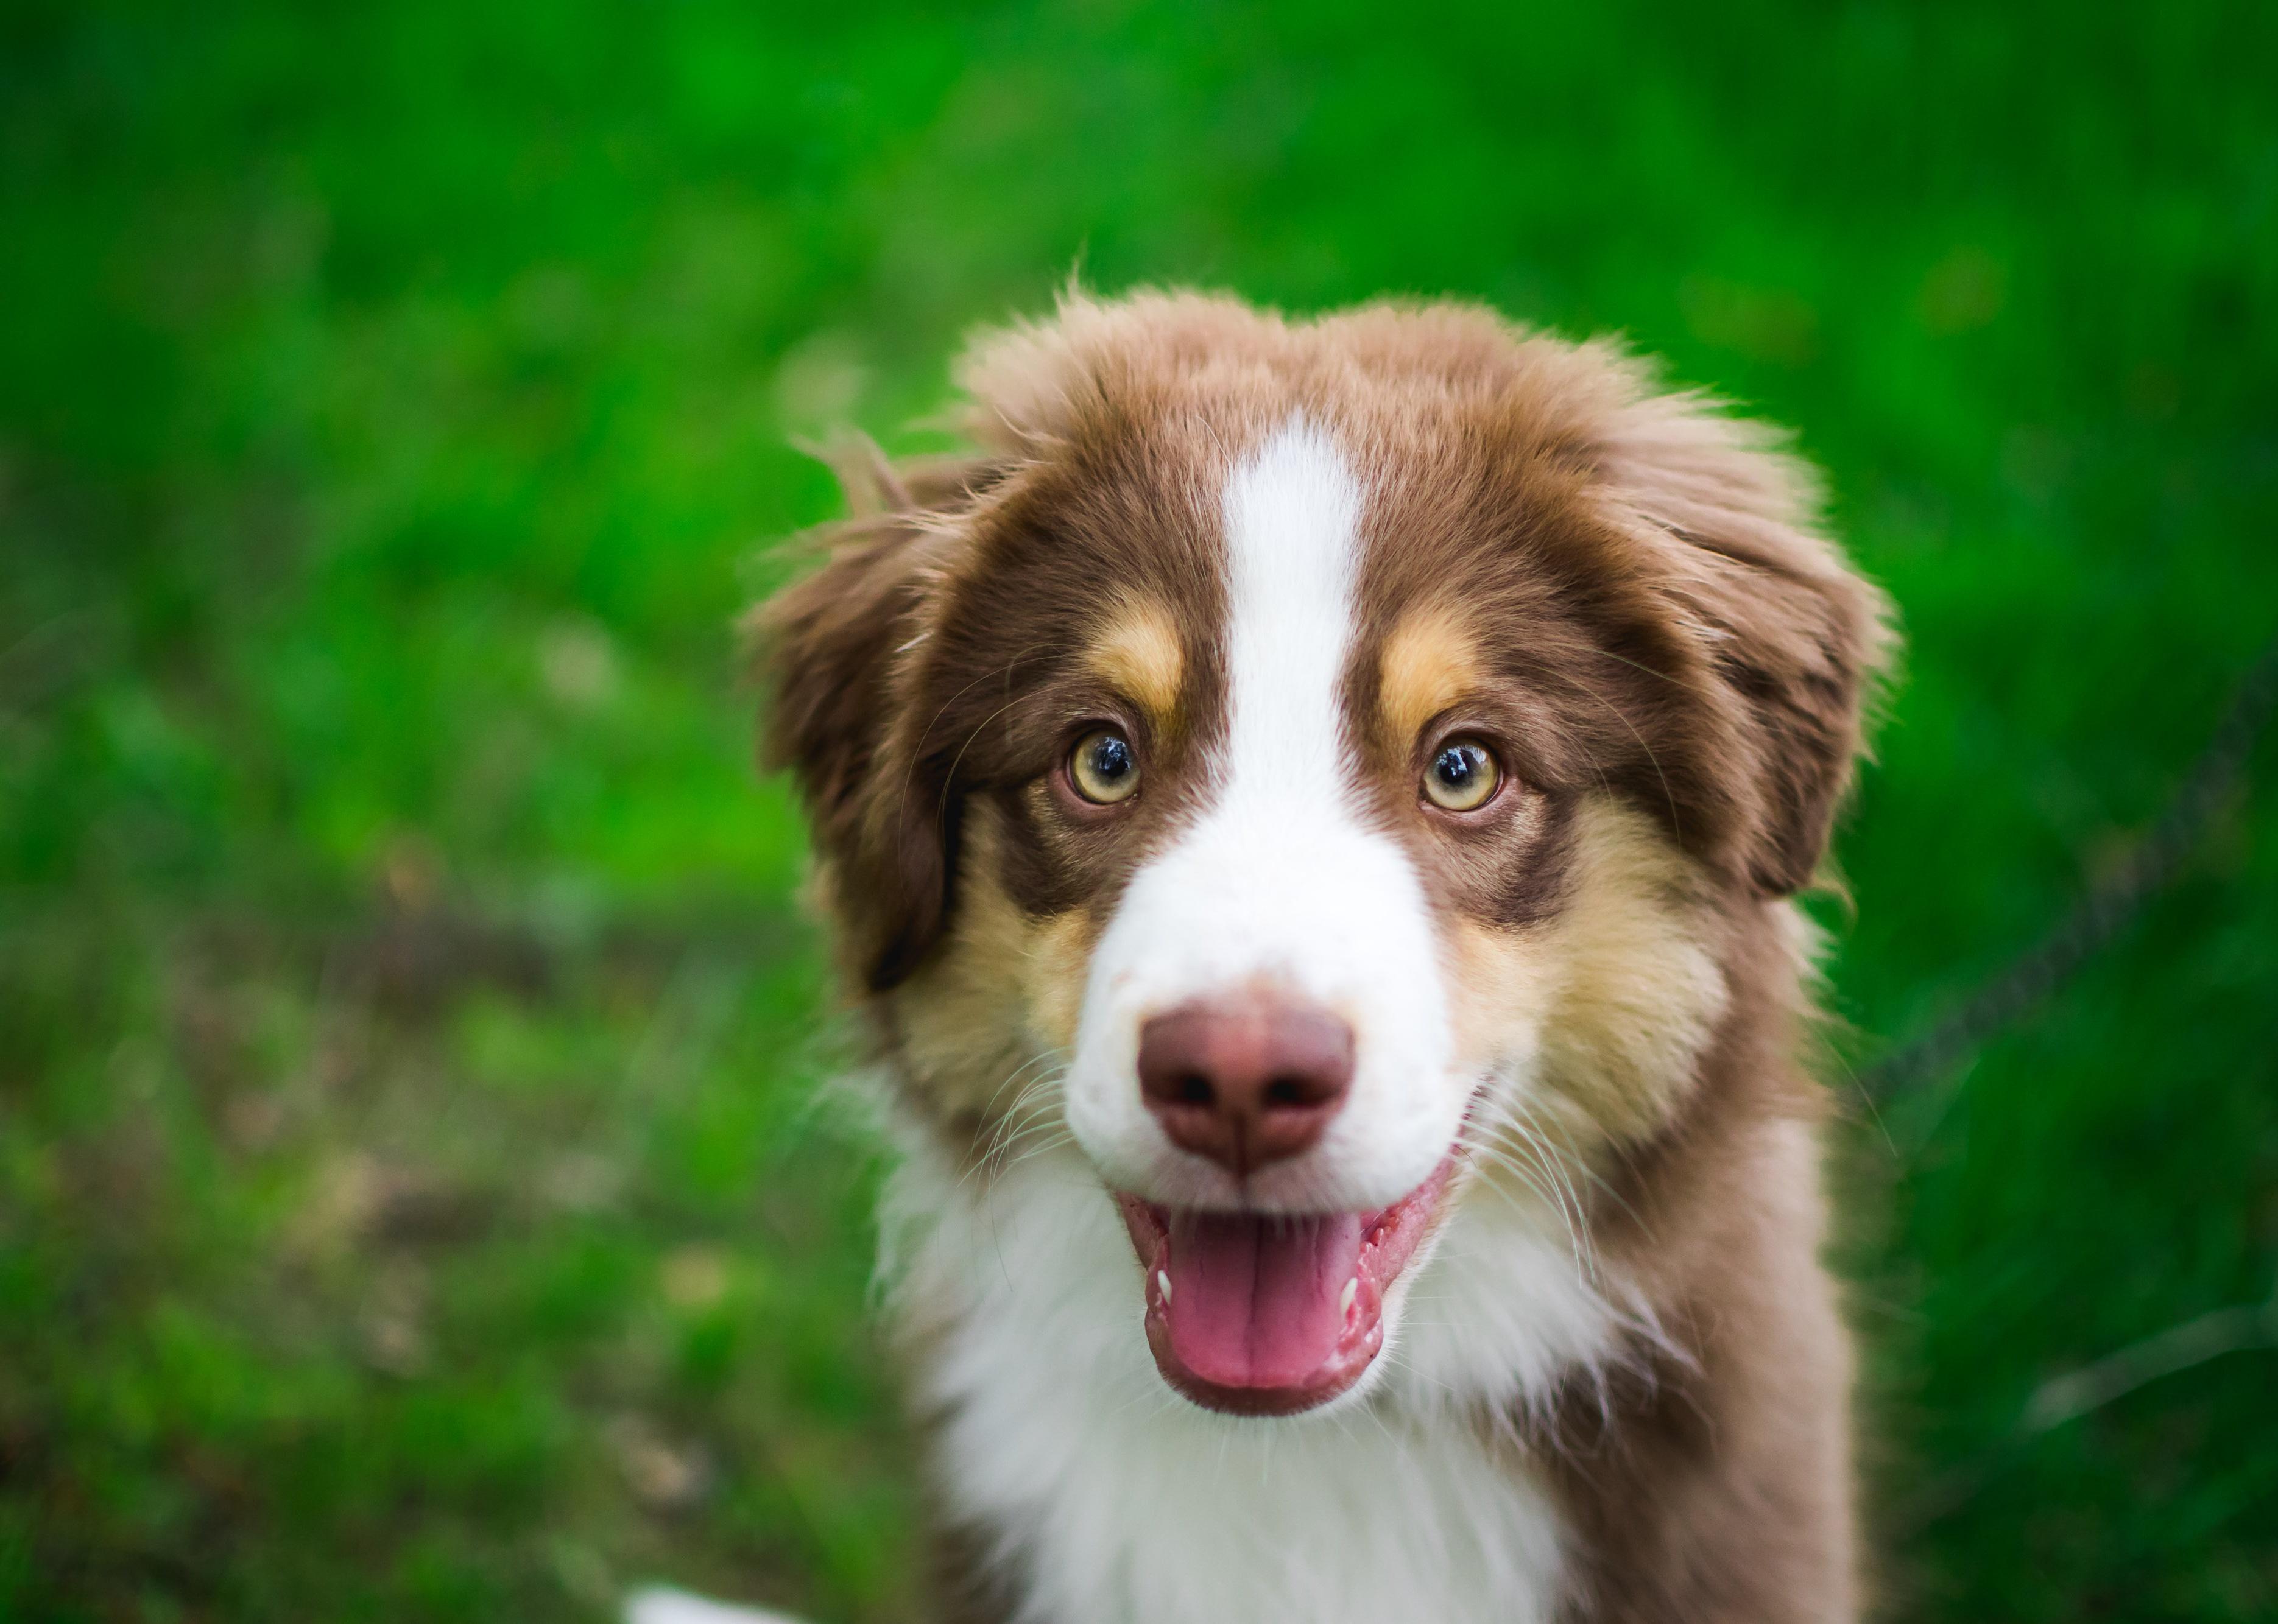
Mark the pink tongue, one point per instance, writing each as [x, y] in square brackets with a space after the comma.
[1256, 1300]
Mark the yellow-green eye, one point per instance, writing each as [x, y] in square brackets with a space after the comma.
[1462, 776]
[1103, 767]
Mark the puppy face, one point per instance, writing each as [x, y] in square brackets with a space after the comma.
[1302, 759]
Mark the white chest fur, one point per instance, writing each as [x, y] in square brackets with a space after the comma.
[1116, 1502]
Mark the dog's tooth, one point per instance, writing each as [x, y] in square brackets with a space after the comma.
[1345, 1302]
[1163, 1283]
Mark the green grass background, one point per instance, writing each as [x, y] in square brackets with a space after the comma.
[410, 1206]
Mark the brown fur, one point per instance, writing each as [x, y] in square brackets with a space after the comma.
[1624, 584]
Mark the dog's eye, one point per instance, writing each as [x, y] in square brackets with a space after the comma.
[1462, 776]
[1103, 766]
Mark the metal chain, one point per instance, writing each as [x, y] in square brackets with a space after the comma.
[2105, 909]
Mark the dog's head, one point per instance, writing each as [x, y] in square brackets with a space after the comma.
[1319, 749]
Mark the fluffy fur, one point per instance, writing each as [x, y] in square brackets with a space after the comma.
[1289, 560]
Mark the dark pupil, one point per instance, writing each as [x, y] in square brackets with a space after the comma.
[1111, 758]
[1456, 766]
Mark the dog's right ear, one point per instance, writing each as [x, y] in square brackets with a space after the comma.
[838, 651]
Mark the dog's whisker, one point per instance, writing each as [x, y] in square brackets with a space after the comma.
[1024, 1118]
[1043, 1058]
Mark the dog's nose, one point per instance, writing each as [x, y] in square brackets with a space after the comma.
[1245, 1080]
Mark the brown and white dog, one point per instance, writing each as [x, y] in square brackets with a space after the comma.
[1308, 810]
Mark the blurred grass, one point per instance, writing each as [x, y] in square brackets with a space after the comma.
[409, 1206]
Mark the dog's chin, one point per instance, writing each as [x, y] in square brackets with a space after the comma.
[1273, 1314]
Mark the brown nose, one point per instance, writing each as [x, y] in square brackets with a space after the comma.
[1245, 1080]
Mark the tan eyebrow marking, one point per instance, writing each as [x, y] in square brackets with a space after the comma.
[1430, 660]
[1139, 654]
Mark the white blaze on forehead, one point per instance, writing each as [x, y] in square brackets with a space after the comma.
[1279, 877]
[1293, 534]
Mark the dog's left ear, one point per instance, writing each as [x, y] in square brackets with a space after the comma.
[1793, 638]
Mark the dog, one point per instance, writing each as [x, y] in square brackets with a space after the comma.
[1308, 812]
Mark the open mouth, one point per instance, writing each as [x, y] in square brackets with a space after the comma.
[1268, 1314]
